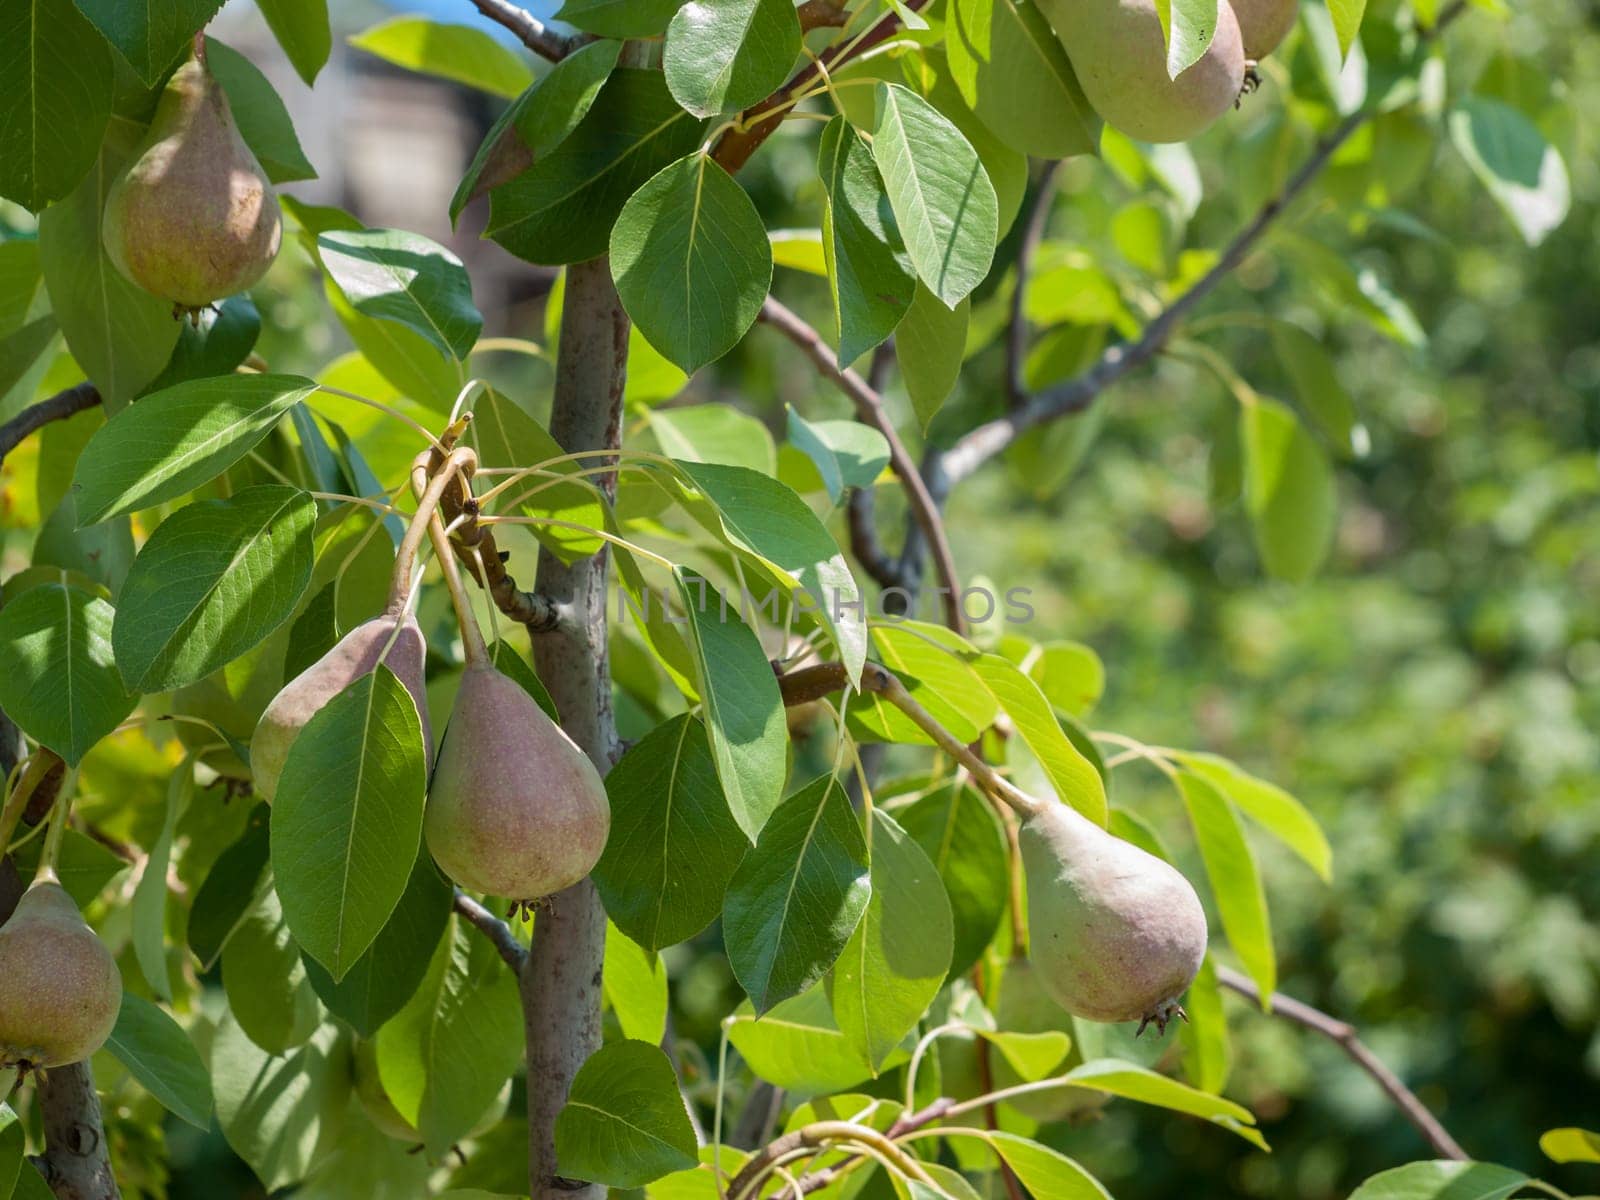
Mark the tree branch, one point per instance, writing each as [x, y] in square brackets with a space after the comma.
[870, 411]
[493, 928]
[757, 123]
[54, 408]
[561, 980]
[1017, 330]
[530, 31]
[75, 1162]
[1345, 1037]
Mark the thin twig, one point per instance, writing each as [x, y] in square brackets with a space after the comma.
[1344, 1036]
[530, 31]
[53, 408]
[493, 928]
[736, 146]
[870, 411]
[1032, 235]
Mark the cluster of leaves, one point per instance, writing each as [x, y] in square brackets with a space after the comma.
[853, 937]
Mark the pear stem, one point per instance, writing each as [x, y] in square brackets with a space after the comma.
[471, 633]
[462, 459]
[982, 773]
[38, 765]
[51, 854]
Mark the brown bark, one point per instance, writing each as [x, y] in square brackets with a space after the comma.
[561, 978]
[75, 1163]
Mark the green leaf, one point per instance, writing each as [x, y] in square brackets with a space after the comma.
[119, 333]
[23, 358]
[56, 75]
[674, 845]
[260, 114]
[508, 661]
[765, 517]
[869, 276]
[275, 1110]
[625, 1124]
[213, 343]
[1070, 675]
[959, 833]
[797, 1045]
[1274, 809]
[1347, 16]
[173, 441]
[1571, 1144]
[1118, 1078]
[1523, 172]
[1443, 1180]
[691, 261]
[929, 346]
[798, 896]
[405, 278]
[1045, 1172]
[213, 581]
[347, 818]
[149, 34]
[1013, 72]
[149, 906]
[727, 54]
[635, 986]
[385, 978]
[1235, 881]
[445, 1058]
[847, 454]
[933, 664]
[265, 980]
[1289, 490]
[897, 958]
[1189, 26]
[537, 121]
[58, 680]
[85, 866]
[619, 18]
[743, 707]
[1071, 774]
[940, 194]
[561, 209]
[1316, 385]
[1207, 1058]
[159, 1054]
[238, 880]
[456, 52]
[301, 27]
[714, 433]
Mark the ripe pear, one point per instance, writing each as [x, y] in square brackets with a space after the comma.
[1263, 24]
[1115, 933]
[515, 808]
[1119, 54]
[60, 989]
[194, 218]
[356, 654]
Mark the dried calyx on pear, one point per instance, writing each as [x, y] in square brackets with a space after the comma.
[60, 989]
[1115, 934]
[1119, 54]
[194, 218]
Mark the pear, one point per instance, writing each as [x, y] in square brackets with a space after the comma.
[1263, 24]
[194, 218]
[1119, 54]
[1115, 933]
[356, 654]
[515, 808]
[60, 989]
